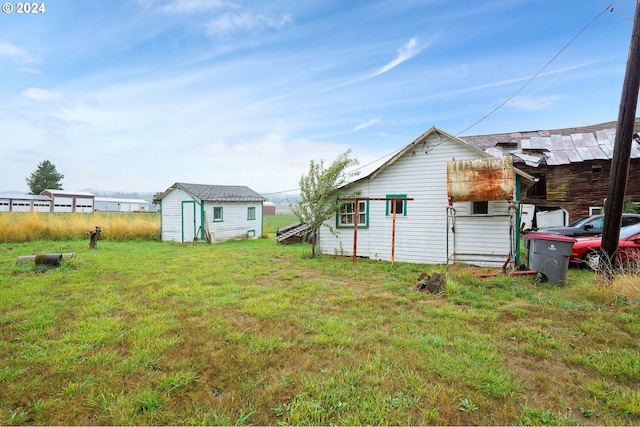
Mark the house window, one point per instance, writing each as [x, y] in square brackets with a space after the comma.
[400, 205]
[595, 210]
[251, 213]
[480, 208]
[217, 214]
[345, 217]
[539, 189]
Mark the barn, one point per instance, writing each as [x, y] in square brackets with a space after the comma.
[572, 166]
[118, 204]
[432, 222]
[70, 201]
[215, 213]
[24, 203]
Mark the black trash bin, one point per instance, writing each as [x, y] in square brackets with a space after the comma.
[549, 254]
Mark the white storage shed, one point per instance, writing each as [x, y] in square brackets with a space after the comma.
[189, 212]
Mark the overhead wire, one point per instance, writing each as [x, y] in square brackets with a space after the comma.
[502, 104]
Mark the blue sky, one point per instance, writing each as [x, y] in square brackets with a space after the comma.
[134, 95]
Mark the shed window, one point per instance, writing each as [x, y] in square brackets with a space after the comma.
[345, 217]
[217, 214]
[400, 205]
[480, 208]
[251, 213]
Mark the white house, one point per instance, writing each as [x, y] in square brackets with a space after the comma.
[190, 212]
[70, 201]
[428, 228]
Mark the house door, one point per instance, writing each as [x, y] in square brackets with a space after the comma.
[188, 220]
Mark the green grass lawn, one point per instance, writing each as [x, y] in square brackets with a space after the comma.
[255, 333]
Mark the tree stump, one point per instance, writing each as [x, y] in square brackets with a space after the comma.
[433, 284]
[94, 236]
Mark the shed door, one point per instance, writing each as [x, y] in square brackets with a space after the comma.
[188, 220]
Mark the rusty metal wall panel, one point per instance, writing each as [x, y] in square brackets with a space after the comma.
[480, 180]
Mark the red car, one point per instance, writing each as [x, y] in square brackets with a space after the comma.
[586, 250]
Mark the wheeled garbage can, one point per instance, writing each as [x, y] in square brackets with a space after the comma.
[548, 254]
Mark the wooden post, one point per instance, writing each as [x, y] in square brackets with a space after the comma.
[94, 236]
[355, 230]
[622, 150]
[393, 232]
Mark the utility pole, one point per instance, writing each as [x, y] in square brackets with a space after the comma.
[622, 149]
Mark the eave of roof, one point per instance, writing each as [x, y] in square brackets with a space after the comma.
[556, 147]
[217, 193]
[443, 137]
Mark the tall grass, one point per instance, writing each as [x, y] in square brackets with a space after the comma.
[16, 227]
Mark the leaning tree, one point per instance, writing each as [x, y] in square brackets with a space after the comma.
[320, 194]
[44, 177]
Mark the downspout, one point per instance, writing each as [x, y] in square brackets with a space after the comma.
[262, 221]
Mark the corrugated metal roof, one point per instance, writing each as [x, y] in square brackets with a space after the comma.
[556, 147]
[220, 193]
[25, 197]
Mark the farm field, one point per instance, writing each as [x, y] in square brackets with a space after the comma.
[142, 332]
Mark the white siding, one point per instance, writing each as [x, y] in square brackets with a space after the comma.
[482, 239]
[235, 223]
[5, 205]
[421, 235]
[171, 216]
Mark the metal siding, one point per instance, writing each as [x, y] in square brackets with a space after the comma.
[62, 204]
[480, 179]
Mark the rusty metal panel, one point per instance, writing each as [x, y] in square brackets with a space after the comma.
[555, 158]
[480, 180]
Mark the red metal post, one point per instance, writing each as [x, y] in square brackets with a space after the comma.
[393, 232]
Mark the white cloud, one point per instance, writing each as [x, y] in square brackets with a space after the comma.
[406, 52]
[12, 52]
[230, 23]
[366, 124]
[182, 6]
[38, 94]
[534, 104]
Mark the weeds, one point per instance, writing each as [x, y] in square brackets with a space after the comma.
[32, 226]
[148, 332]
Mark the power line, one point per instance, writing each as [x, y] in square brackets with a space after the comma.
[536, 75]
[539, 72]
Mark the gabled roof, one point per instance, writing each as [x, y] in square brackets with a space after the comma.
[217, 193]
[67, 193]
[556, 147]
[443, 137]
